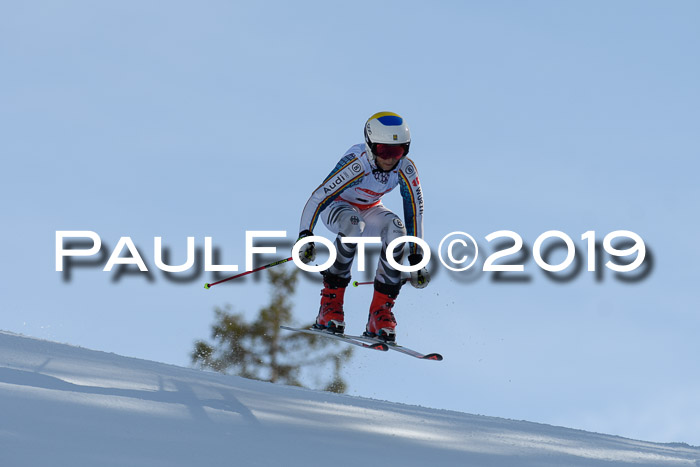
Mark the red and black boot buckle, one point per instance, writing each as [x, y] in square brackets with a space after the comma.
[330, 314]
[382, 323]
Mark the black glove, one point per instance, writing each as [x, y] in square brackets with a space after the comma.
[420, 278]
[307, 253]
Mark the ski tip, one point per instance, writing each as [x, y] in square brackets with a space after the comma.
[433, 356]
[207, 286]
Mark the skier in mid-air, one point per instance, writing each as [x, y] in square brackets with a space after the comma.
[349, 204]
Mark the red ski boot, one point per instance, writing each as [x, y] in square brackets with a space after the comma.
[330, 314]
[381, 323]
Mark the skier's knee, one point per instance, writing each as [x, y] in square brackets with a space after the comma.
[395, 230]
[353, 226]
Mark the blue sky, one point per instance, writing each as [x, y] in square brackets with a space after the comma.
[173, 119]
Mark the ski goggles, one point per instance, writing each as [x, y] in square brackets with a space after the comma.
[390, 151]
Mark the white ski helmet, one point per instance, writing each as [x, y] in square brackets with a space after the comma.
[387, 135]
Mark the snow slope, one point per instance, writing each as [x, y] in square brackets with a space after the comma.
[67, 406]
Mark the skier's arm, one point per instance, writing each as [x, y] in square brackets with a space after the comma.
[346, 173]
[412, 202]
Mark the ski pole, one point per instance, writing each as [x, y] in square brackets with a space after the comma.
[357, 284]
[208, 286]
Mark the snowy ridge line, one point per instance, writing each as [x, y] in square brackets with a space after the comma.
[69, 406]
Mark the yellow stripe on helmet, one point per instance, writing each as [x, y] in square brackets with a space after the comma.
[384, 114]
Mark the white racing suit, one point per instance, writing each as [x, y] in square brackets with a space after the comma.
[349, 203]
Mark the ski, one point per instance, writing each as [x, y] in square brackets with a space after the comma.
[367, 342]
[399, 348]
[341, 337]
